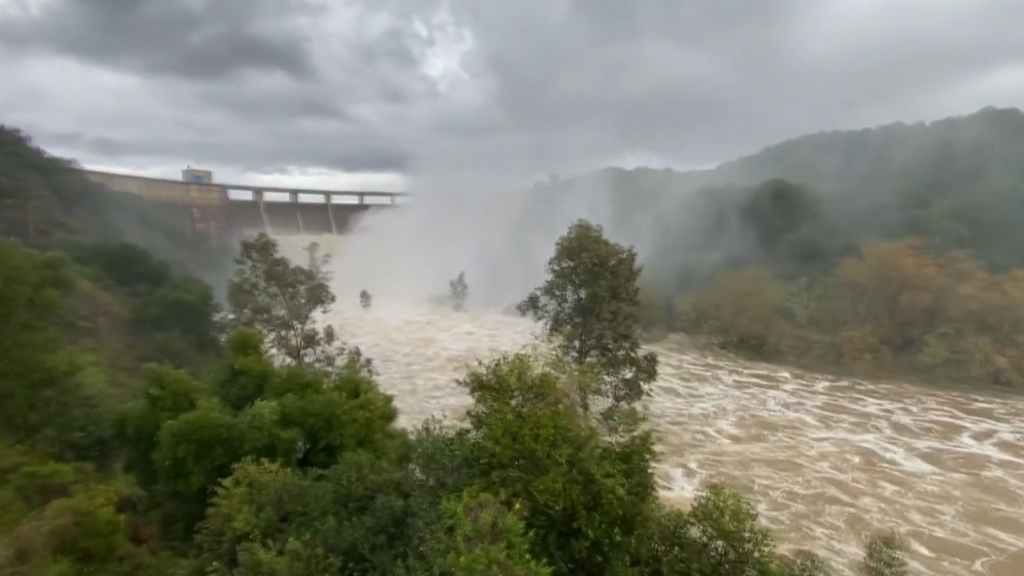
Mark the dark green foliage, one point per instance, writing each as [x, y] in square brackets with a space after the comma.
[590, 307]
[38, 485]
[485, 539]
[181, 319]
[724, 537]
[789, 226]
[352, 516]
[128, 266]
[281, 300]
[261, 511]
[193, 452]
[130, 308]
[44, 201]
[174, 318]
[168, 393]
[583, 496]
[182, 443]
[53, 395]
[247, 370]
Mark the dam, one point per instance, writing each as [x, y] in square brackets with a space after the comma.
[222, 211]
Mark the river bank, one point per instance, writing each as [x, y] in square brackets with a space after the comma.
[864, 373]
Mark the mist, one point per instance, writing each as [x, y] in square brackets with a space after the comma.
[500, 236]
[500, 227]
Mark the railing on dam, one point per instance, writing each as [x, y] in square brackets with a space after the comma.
[220, 210]
[211, 194]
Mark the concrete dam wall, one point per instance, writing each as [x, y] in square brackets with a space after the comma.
[225, 211]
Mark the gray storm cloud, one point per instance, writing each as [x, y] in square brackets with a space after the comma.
[535, 87]
[542, 86]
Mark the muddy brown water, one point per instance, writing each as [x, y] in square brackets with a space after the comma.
[827, 460]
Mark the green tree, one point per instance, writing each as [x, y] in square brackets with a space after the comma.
[180, 319]
[167, 394]
[725, 537]
[55, 398]
[787, 222]
[486, 539]
[353, 516]
[247, 371]
[128, 266]
[591, 309]
[193, 452]
[282, 300]
[584, 496]
[77, 535]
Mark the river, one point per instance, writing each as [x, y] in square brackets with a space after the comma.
[827, 460]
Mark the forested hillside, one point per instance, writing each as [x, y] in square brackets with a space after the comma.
[45, 202]
[895, 248]
[958, 182]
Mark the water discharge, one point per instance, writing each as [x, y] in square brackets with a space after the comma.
[827, 460]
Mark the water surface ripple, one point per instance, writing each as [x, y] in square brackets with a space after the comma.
[825, 459]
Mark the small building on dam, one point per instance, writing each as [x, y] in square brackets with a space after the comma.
[225, 211]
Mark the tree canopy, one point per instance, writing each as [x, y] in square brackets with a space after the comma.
[590, 308]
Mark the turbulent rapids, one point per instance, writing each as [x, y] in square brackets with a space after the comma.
[826, 459]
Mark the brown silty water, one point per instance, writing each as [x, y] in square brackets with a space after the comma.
[827, 460]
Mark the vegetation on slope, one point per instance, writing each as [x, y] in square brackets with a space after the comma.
[888, 249]
[46, 202]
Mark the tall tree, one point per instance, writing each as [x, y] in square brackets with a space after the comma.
[591, 310]
[282, 301]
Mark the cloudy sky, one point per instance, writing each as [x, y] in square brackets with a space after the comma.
[359, 93]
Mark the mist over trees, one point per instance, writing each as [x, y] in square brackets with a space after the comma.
[958, 182]
[816, 250]
[45, 202]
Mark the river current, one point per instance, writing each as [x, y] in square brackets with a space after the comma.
[827, 460]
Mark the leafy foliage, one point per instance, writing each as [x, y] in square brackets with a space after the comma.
[46, 203]
[590, 306]
[487, 539]
[898, 305]
[281, 300]
[583, 495]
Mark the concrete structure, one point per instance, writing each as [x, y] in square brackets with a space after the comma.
[222, 211]
[194, 176]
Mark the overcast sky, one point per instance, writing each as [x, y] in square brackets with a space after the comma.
[357, 93]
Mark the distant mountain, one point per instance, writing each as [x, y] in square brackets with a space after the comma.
[958, 182]
[987, 146]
